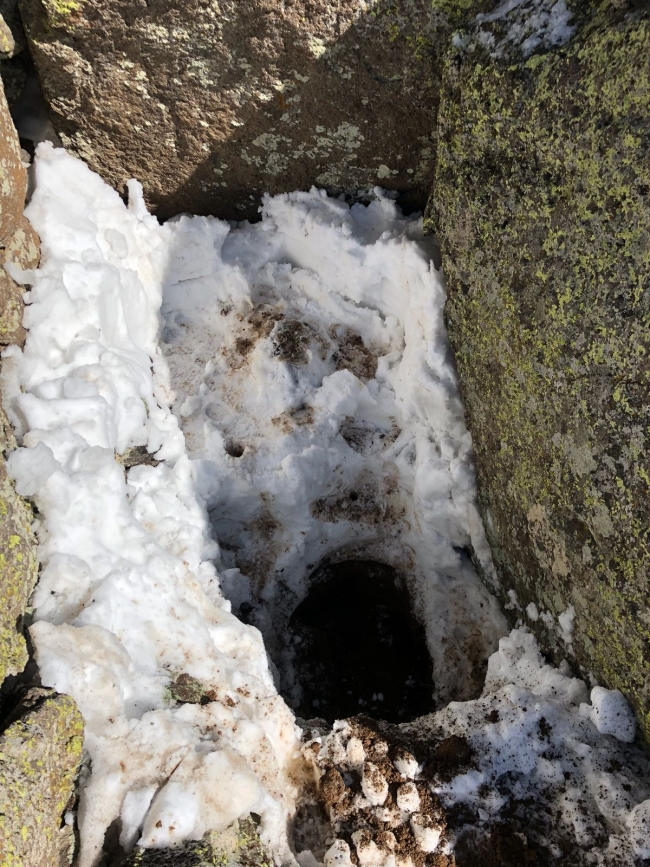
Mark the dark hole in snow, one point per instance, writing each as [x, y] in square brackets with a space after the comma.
[357, 647]
[235, 450]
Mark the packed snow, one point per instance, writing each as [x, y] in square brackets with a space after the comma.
[312, 374]
[196, 404]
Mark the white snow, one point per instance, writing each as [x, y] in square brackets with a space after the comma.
[527, 25]
[307, 360]
[533, 729]
[128, 598]
[611, 714]
[354, 445]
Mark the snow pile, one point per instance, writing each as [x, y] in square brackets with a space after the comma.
[536, 740]
[528, 762]
[524, 26]
[128, 599]
[313, 377]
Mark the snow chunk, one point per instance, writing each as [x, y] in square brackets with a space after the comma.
[612, 715]
[519, 661]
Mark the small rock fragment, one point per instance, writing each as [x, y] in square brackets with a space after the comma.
[187, 689]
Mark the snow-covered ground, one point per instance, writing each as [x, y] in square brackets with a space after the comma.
[293, 379]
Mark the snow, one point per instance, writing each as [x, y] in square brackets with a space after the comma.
[128, 597]
[611, 714]
[273, 370]
[527, 25]
[533, 728]
[313, 378]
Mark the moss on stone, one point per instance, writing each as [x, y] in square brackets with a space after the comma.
[237, 846]
[63, 9]
[18, 564]
[541, 204]
[40, 754]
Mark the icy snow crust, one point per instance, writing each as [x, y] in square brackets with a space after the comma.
[305, 355]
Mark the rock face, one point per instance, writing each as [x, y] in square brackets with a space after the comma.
[22, 250]
[541, 204]
[39, 758]
[12, 174]
[18, 564]
[210, 103]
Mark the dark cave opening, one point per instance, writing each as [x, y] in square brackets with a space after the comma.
[356, 646]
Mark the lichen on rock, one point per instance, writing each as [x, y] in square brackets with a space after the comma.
[40, 754]
[540, 204]
[212, 104]
[237, 846]
[23, 251]
[13, 178]
[18, 563]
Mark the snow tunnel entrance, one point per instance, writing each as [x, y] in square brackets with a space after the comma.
[356, 646]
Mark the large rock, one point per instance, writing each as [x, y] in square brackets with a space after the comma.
[18, 563]
[22, 250]
[541, 203]
[210, 103]
[13, 178]
[40, 754]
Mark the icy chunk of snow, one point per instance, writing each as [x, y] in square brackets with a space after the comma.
[427, 836]
[612, 715]
[408, 798]
[373, 784]
[338, 855]
[519, 661]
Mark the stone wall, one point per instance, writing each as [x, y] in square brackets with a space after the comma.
[210, 104]
[541, 205]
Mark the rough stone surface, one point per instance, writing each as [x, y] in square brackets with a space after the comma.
[14, 78]
[22, 250]
[237, 846]
[541, 204]
[18, 563]
[210, 103]
[13, 178]
[40, 755]
[12, 35]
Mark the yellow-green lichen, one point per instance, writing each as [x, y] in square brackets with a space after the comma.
[237, 846]
[540, 204]
[18, 574]
[40, 755]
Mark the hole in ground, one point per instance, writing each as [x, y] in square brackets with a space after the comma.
[234, 449]
[357, 647]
